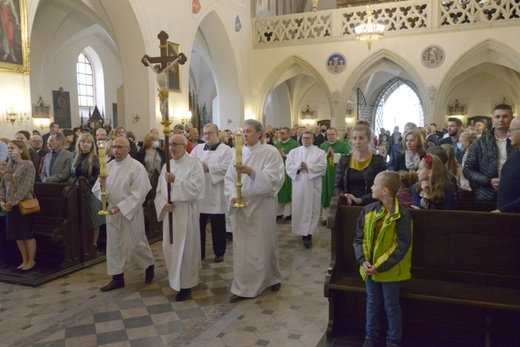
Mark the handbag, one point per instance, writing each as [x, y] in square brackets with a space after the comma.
[29, 206]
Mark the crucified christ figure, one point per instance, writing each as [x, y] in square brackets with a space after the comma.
[162, 81]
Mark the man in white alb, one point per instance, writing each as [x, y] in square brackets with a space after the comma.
[255, 243]
[186, 177]
[215, 158]
[127, 185]
[306, 165]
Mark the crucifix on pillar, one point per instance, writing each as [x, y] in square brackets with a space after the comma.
[164, 63]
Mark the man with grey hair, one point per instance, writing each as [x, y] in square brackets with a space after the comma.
[215, 158]
[126, 185]
[182, 253]
[57, 163]
[262, 171]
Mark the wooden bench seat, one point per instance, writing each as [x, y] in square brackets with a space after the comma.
[465, 286]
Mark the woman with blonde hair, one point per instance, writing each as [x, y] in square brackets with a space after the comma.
[86, 166]
[356, 171]
[412, 153]
[18, 185]
[433, 191]
[151, 155]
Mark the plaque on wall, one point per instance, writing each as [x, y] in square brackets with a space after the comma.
[61, 103]
[336, 63]
[433, 56]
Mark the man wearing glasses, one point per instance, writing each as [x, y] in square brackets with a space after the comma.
[488, 154]
[126, 185]
[186, 179]
[306, 166]
[215, 158]
[508, 200]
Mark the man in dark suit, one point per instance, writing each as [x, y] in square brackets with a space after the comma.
[37, 147]
[57, 163]
[53, 127]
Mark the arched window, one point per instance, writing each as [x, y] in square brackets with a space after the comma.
[86, 91]
[397, 104]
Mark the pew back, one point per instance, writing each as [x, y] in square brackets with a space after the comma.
[461, 262]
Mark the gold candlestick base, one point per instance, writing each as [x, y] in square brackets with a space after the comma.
[239, 203]
[103, 212]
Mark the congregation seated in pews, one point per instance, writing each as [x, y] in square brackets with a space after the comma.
[465, 285]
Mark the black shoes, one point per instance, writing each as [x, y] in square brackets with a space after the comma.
[218, 259]
[184, 294]
[236, 298]
[370, 342]
[113, 285]
[287, 218]
[307, 243]
[276, 287]
[323, 222]
[149, 274]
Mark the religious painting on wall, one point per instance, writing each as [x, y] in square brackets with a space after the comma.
[41, 109]
[174, 76]
[14, 43]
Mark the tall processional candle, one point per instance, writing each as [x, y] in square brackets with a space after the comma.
[103, 174]
[238, 154]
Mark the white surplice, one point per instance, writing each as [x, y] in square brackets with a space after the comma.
[306, 187]
[218, 161]
[127, 185]
[183, 256]
[255, 242]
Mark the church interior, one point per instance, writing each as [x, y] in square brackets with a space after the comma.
[270, 60]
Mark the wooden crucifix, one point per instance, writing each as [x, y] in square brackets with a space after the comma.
[164, 63]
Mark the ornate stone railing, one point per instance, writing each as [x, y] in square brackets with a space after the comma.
[412, 15]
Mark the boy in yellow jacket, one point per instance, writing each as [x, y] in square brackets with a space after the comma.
[383, 248]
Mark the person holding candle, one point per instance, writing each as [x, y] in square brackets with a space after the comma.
[126, 185]
[86, 166]
[262, 175]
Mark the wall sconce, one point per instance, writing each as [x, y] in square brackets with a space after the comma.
[135, 119]
[349, 117]
[13, 116]
[308, 116]
[186, 119]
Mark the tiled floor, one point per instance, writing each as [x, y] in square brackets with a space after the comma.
[73, 312]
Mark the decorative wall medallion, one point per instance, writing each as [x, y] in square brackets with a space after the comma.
[433, 56]
[336, 63]
[195, 6]
[238, 24]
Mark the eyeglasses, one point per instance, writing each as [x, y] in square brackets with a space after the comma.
[510, 130]
[306, 138]
[118, 147]
[208, 133]
[174, 144]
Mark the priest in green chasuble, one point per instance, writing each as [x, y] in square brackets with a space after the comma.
[334, 148]
[284, 146]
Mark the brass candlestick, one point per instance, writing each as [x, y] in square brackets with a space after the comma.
[238, 151]
[103, 174]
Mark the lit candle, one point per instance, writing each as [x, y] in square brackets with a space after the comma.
[102, 158]
[238, 147]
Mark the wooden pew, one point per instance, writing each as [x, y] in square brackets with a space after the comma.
[465, 286]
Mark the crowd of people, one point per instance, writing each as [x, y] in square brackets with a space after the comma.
[284, 173]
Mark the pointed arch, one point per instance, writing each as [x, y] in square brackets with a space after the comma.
[396, 66]
[488, 51]
[292, 66]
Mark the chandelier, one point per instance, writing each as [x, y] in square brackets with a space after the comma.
[369, 32]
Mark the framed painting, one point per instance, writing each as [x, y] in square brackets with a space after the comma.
[174, 76]
[14, 43]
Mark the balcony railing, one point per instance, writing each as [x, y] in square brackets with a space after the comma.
[404, 16]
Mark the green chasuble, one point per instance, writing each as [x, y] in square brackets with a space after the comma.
[341, 147]
[285, 193]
